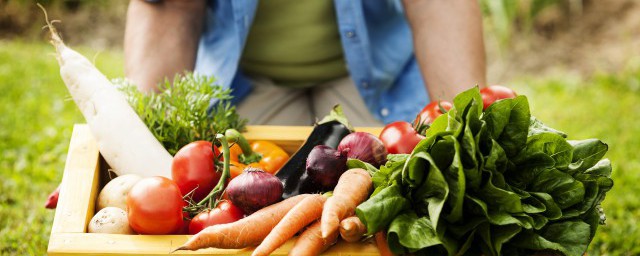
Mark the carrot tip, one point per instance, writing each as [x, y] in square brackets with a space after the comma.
[179, 249]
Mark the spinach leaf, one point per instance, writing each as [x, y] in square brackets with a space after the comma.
[551, 145]
[411, 232]
[586, 153]
[377, 212]
[432, 195]
[536, 127]
[568, 237]
[508, 121]
[355, 163]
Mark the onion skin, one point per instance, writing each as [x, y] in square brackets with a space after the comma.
[325, 165]
[254, 189]
[365, 147]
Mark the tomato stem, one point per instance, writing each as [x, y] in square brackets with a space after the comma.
[211, 197]
[442, 109]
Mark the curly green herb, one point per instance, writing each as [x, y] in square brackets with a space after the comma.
[181, 113]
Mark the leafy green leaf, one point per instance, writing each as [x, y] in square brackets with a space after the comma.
[602, 168]
[433, 192]
[548, 144]
[586, 153]
[466, 99]
[537, 127]
[552, 210]
[495, 236]
[454, 175]
[569, 237]
[565, 190]
[412, 232]
[390, 173]
[355, 163]
[508, 121]
[377, 212]
[502, 199]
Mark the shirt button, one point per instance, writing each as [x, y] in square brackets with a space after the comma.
[350, 34]
[365, 85]
[384, 111]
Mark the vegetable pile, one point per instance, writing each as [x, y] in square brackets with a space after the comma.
[493, 182]
[476, 176]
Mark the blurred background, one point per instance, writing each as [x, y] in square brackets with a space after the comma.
[578, 61]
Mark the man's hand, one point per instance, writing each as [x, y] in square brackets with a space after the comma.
[449, 46]
[161, 40]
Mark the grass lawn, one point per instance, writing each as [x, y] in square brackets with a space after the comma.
[35, 128]
[37, 117]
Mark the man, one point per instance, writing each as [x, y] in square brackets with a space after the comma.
[290, 60]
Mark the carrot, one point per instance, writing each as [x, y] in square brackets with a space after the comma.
[305, 212]
[352, 229]
[353, 188]
[381, 242]
[245, 232]
[123, 139]
[310, 242]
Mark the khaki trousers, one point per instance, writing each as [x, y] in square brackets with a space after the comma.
[270, 104]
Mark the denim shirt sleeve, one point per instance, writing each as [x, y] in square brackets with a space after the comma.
[225, 30]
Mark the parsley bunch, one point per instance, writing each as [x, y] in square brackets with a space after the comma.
[181, 112]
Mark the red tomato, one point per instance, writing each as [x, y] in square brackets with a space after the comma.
[400, 137]
[432, 111]
[193, 168]
[225, 212]
[495, 92]
[155, 206]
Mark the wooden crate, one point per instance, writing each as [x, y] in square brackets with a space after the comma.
[81, 183]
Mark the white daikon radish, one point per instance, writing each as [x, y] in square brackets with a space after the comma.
[124, 140]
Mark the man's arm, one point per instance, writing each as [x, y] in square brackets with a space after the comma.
[449, 46]
[161, 40]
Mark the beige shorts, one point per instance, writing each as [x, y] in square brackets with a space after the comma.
[270, 104]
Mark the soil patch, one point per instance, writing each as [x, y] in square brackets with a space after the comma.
[604, 37]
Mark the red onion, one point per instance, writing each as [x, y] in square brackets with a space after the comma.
[254, 189]
[325, 165]
[365, 147]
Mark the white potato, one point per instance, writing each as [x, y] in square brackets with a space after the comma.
[114, 194]
[110, 220]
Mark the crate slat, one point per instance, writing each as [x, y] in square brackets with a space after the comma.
[110, 244]
[79, 183]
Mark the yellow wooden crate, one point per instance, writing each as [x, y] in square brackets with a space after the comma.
[84, 174]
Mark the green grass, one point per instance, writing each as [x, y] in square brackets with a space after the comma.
[36, 119]
[37, 116]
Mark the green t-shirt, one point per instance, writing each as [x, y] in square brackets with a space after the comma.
[294, 42]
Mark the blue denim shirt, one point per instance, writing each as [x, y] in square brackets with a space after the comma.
[377, 45]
